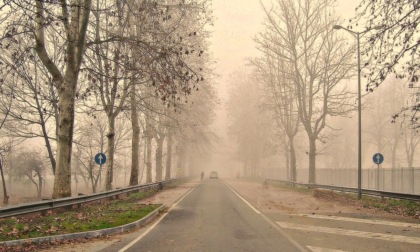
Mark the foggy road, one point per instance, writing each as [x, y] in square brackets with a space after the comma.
[213, 218]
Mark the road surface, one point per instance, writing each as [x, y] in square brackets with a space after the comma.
[212, 217]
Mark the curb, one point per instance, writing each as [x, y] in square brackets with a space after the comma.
[89, 234]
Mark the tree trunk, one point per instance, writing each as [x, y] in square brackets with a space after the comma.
[62, 181]
[292, 160]
[75, 32]
[111, 150]
[169, 157]
[159, 158]
[394, 156]
[312, 161]
[411, 168]
[135, 143]
[148, 155]
[40, 183]
[48, 144]
[5, 196]
[180, 162]
[92, 178]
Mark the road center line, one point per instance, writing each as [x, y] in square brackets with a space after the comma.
[155, 224]
[358, 220]
[359, 234]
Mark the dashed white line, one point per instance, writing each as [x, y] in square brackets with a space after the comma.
[359, 234]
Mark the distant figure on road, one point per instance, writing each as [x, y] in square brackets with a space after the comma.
[202, 175]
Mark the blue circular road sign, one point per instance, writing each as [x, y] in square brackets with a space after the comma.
[378, 158]
[100, 158]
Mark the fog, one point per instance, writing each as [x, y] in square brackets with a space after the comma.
[230, 122]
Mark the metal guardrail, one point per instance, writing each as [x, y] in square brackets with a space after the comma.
[70, 201]
[370, 192]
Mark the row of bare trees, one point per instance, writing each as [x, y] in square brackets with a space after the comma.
[76, 72]
[302, 64]
[302, 73]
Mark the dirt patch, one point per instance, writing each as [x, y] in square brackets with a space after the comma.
[284, 199]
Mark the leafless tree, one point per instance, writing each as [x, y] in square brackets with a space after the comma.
[7, 93]
[30, 165]
[35, 111]
[37, 20]
[281, 100]
[248, 126]
[319, 60]
[393, 49]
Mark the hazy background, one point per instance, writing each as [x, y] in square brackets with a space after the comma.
[236, 23]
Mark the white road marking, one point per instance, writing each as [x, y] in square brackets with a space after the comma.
[359, 234]
[318, 249]
[244, 200]
[154, 224]
[284, 234]
[378, 222]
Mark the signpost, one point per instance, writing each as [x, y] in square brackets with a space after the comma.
[100, 159]
[378, 158]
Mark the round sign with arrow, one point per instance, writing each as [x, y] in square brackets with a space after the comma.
[100, 158]
[378, 158]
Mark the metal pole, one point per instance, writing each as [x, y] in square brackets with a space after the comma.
[359, 167]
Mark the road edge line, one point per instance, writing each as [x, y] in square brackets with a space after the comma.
[157, 222]
[273, 224]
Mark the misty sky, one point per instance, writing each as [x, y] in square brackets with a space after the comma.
[236, 22]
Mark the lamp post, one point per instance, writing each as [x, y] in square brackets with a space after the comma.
[359, 105]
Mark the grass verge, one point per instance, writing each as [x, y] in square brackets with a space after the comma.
[93, 216]
[398, 207]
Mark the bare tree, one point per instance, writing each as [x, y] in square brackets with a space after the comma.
[281, 100]
[29, 165]
[89, 141]
[320, 61]
[35, 103]
[7, 93]
[140, 48]
[69, 21]
[248, 127]
[393, 49]
[4, 149]
[411, 141]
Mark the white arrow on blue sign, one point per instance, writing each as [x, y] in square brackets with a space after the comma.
[100, 158]
[378, 158]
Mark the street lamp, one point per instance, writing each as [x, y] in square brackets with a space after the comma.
[359, 106]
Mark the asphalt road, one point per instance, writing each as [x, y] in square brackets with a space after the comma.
[212, 217]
